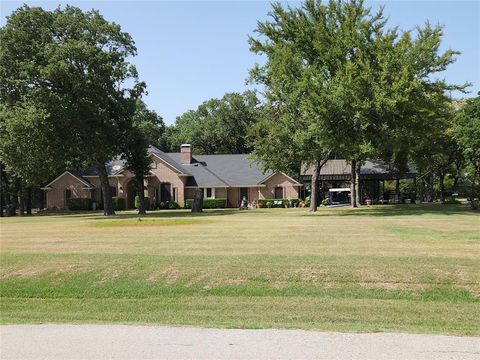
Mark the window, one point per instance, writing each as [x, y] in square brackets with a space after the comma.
[278, 192]
[68, 196]
[174, 194]
[113, 190]
[209, 193]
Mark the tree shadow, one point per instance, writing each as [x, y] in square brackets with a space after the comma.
[164, 214]
[400, 210]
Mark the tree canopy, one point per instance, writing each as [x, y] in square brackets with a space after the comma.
[71, 67]
[338, 81]
[218, 126]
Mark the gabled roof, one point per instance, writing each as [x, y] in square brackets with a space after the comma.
[167, 159]
[205, 170]
[85, 182]
[281, 172]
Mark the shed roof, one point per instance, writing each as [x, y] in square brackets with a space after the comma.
[369, 168]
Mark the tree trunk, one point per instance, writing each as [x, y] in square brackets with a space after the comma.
[105, 186]
[397, 190]
[141, 194]
[28, 201]
[315, 176]
[2, 192]
[10, 208]
[314, 192]
[197, 205]
[358, 193]
[353, 181]
[21, 207]
[441, 179]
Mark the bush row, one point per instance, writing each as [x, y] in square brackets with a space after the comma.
[277, 202]
[75, 204]
[208, 203]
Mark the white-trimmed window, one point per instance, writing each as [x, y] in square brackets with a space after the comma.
[209, 193]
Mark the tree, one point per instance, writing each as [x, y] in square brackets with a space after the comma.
[145, 128]
[218, 126]
[467, 134]
[340, 81]
[22, 150]
[436, 152]
[71, 66]
[313, 52]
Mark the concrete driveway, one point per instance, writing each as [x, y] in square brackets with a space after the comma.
[152, 342]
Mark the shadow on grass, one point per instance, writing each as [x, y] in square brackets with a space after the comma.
[400, 210]
[165, 214]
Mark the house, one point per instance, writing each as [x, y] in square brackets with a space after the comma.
[336, 173]
[174, 177]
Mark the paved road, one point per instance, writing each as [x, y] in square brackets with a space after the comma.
[151, 342]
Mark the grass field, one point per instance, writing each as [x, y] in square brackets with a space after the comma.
[394, 268]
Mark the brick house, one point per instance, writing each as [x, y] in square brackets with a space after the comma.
[174, 177]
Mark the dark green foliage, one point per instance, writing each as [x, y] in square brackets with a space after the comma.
[218, 126]
[137, 202]
[118, 203]
[144, 128]
[208, 203]
[79, 204]
[467, 135]
[277, 203]
[67, 70]
[169, 205]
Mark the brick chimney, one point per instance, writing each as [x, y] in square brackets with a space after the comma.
[186, 154]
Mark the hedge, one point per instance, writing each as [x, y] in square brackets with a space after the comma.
[118, 203]
[208, 203]
[277, 202]
[79, 204]
[137, 202]
[169, 205]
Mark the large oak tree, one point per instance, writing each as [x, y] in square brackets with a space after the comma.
[71, 67]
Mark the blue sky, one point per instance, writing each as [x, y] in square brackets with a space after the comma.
[191, 51]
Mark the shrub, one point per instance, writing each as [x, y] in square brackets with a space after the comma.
[169, 205]
[79, 204]
[451, 200]
[326, 202]
[118, 203]
[137, 202]
[173, 205]
[277, 202]
[208, 203]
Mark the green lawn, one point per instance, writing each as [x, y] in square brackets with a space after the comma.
[394, 268]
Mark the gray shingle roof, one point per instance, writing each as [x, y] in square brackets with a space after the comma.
[205, 170]
[222, 170]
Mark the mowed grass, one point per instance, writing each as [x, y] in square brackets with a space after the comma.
[392, 268]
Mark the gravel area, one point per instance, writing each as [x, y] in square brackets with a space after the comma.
[152, 342]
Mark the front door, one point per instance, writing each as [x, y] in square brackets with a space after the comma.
[165, 192]
[243, 194]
